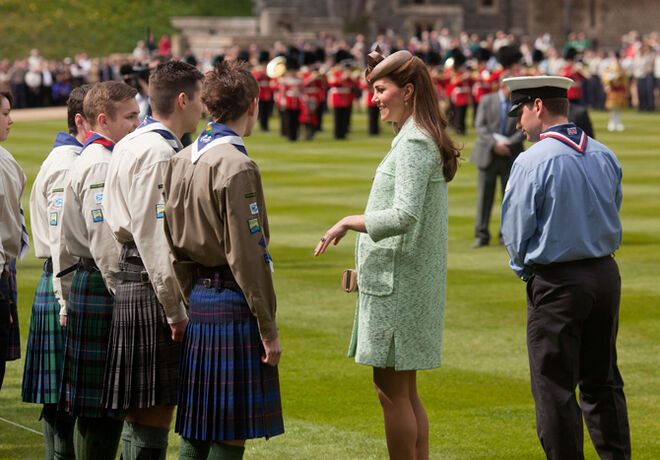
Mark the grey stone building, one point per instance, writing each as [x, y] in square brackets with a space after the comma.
[291, 20]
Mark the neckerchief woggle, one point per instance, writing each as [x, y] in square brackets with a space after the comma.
[215, 134]
[569, 134]
[65, 140]
[96, 138]
[153, 125]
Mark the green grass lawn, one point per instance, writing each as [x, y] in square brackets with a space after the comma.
[479, 402]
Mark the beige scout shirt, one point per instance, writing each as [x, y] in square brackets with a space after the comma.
[215, 215]
[84, 229]
[12, 185]
[134, 207]
[46, 204]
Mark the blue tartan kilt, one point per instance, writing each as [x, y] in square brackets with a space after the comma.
[226, 392]
[45, 348]
[87, 333]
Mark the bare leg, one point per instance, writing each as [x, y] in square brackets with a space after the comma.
[422, 445]
[393, 389]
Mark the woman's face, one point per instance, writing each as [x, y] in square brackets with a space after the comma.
[5, 118]
[394, 103]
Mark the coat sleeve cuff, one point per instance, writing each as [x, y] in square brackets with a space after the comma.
[376, 225]
[176, 313]
[267, 330]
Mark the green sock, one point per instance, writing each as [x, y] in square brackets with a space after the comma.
[221, 451]
[126, 438]
[97, 438]
[49, 437]
[58, 433]
[148, 442]
[63, 438]
[189, 449]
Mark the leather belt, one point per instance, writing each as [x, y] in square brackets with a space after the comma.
[48, 265]
[138, 277]
[132, 267]
[217, 277]
[87, 265]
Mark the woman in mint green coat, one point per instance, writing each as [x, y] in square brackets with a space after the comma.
[401, 254]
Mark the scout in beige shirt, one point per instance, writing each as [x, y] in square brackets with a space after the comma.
[12, 185]
[150, 315]
[13, 241]
[217, 227]
[112, 112]
[46, 206]
[45, 347]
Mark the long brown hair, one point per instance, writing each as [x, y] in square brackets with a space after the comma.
[426, 111]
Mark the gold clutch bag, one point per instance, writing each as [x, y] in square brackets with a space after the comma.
[349, 280]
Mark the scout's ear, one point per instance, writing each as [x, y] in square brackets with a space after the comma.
[181, 101]
[101, 121]
[253, 107]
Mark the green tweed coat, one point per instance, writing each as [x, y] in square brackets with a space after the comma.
[402, 259]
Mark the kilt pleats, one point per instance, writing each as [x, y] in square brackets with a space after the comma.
[226, 392]
[45, 347]
[88, 328]
[143, 361]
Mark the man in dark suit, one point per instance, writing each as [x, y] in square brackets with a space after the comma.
[498, 144]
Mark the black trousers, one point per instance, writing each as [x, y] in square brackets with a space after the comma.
[457, 118]
[486, 185]
[265, 111]
[284, 122]
[293, 124]
[572, 324]
[342, 120]
[374, 120]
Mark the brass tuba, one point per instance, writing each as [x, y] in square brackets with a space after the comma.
[276, 67]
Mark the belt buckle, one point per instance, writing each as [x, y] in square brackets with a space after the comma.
[207, 282]
[144, 277]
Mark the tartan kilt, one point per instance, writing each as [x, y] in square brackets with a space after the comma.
[226, 392]
[45, 347]
[14, 344]
[88, 329]
[143, 362]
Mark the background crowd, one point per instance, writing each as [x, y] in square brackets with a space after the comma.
[38, 81]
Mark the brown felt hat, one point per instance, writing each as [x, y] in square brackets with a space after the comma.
[379, 67]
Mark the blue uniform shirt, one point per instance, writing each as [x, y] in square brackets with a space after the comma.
[562, 201]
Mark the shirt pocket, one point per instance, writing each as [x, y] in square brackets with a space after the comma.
[376, 271]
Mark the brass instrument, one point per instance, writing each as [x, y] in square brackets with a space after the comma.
[276, 67]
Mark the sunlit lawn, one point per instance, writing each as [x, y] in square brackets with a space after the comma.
[479, 402]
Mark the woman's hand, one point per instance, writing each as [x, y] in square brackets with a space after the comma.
[338, 231]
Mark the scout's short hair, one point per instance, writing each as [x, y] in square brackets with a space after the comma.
[103, 98]
[228, 90]
[7, 95]
[556, 106]
[74, 106]
[169, 80]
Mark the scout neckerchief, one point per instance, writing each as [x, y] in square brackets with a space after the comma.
[569, 134]
[64, 139]
[151, 124]
[96, 138]
[215, 134]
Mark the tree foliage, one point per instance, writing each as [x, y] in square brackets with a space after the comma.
[60, 28]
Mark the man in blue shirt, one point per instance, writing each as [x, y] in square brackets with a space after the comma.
[560, 225]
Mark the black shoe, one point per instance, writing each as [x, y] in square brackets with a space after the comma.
[479, 244]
